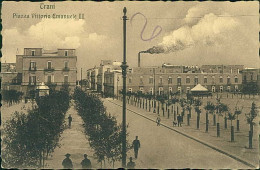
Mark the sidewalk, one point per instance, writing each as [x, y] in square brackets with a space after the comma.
[237, 148]
[73, 141]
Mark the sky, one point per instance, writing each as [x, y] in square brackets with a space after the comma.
[180, 33]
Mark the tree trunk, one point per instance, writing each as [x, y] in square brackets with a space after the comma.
[207, 121]
[198, 120]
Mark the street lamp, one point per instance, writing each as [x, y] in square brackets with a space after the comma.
[124, 67]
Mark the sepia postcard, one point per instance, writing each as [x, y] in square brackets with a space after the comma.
[130, 84]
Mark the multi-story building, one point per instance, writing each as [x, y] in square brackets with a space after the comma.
[10, 79]
[251, 80]
[143, 79]
[112, 83]
[93, 78]
[104, 66]
[54, 68]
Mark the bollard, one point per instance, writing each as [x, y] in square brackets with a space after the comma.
[232, 134]
[174, 115]
[237, 125]
[207, 121]
[163, 111]
[214, 119]
[218, 130]
[198, 121]
[168, 113]
[188, 119]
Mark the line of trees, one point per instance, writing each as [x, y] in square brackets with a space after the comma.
[105, 136]
[217, 110]
[29, 138]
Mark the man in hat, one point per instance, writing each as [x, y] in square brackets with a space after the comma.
[130, 164]
[136, 145]
[67, 163]
[85, 163]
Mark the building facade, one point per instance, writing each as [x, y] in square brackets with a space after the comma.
[251, 80]
[54, 68]
[10, 78]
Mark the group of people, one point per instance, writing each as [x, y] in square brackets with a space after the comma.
[85, 163]
[179, 120]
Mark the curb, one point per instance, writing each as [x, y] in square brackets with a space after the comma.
[195, 139]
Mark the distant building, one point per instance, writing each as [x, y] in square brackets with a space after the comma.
[55, 68]
[142, 79]
[232, 69]
[113, 83]
[251, 80]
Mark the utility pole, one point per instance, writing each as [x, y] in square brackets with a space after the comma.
[124, 67]
[154, 90]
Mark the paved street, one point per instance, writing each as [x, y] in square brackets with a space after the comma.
[72, 141]
[164, 148]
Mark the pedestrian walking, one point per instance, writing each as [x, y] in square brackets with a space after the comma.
[136, 145]
[130, 164]
[67, 163]
[70, 120]
[158, 120]
[179, 119]
[86, 163]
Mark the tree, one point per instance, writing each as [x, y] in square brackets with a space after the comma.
[210, 108]
[231, 117]
[197, 104]
[221, 108]
[250, 117]
[174, 101]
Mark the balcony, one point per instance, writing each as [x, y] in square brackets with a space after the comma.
[32, 68]
[66, 69]
[49, 69]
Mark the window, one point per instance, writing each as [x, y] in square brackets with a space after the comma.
[179, 89]
[188, 89]
[130, 80]
[151, 80]
[221, 88]
[32, 80]
[32, 65]
[160, 90]
[49, 65]
[170, 89]
[236, 88]
[33, 52]
[187, 80]
[245, 77]
[179, 80]
[141, 79]
[228, 88]
[151, 90]
[66, 52]
[49, 78]
[236, 79]
[169, 80]
[141, 89]
[251, 76]
[66, 64]
[213, 89]
[160, 80]
[196, 80]
[228, 80]
[205, 80]
[66, 79]
[221, 79]
[130, 89]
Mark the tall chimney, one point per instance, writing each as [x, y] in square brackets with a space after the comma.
[139, 59]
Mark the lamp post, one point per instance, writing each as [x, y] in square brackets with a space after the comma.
[154, 91]
[124, 67]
